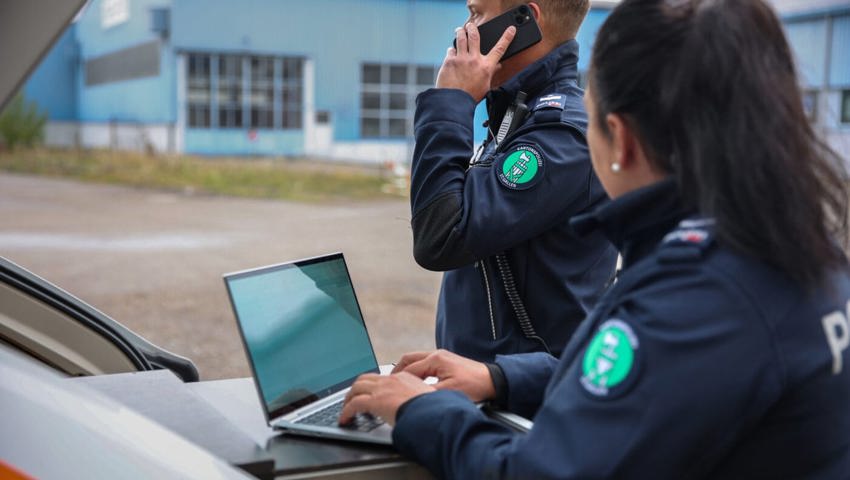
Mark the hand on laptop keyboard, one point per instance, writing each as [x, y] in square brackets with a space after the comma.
[329, 417]
[363, 422]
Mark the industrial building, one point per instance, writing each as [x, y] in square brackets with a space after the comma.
[332, 79]
[328, 78]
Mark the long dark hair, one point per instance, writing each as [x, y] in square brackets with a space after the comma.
[711, 87]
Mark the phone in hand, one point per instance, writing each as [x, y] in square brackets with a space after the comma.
[527, 31]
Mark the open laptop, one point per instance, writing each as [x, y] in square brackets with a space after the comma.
[306, 342]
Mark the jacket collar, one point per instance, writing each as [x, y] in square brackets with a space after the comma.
[559, 65]
[637, 221]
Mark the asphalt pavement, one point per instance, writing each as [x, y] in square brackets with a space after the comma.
[153, 260]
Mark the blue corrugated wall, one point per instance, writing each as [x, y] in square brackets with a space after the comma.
[587, 34]
[839, 74]
[809, 37]
[808, 40]
[143, 100]
[53, 84]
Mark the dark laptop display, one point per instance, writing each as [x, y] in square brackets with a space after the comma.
[303, 330]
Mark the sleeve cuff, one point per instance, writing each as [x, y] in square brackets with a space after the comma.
[500, 384]
[403, 407]
[415, 418]
[446, 105]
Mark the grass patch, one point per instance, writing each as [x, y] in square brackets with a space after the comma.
[299, 180]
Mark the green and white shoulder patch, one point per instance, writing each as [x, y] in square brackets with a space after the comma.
[521, 168]
[611, 360]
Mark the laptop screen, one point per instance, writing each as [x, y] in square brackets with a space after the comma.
[302, 329]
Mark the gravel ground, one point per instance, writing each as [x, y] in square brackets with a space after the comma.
[153, 260]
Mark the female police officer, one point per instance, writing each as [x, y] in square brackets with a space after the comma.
[722, 351]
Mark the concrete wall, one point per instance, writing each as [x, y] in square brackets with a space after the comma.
[138, 137]
[376, 152]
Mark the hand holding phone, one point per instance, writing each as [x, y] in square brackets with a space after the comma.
[464, 68]
[527, 31]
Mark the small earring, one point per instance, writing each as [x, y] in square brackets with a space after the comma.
[615, 167]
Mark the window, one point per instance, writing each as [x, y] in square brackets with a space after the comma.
[230, 91]
[810, 105]
[250, 91]
[845, 107]
[262, 92]
[198, 91]
[323, 117]
[387, 98]
[291, 94]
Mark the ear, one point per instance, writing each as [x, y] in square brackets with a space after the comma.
[535, 10]
[626, 147]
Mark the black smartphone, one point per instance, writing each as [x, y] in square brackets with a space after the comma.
[527, 31]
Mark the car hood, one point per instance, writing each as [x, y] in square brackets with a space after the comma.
[54, 428]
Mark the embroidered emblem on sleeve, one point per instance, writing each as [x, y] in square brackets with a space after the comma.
[610, 361]
[521, 169]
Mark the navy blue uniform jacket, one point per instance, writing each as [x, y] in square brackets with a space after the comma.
[733, 372]
[465, 214]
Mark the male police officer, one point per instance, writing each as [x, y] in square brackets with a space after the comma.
[708, 358]
[517, 279]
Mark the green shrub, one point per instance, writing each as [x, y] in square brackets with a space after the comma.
[21, 123]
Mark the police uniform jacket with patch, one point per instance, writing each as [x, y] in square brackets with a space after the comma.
[464, 214]
[698, 363]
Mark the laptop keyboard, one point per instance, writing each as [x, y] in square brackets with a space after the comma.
[329, 417]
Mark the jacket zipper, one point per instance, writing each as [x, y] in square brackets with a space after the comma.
[489, 298]
[481, 262]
